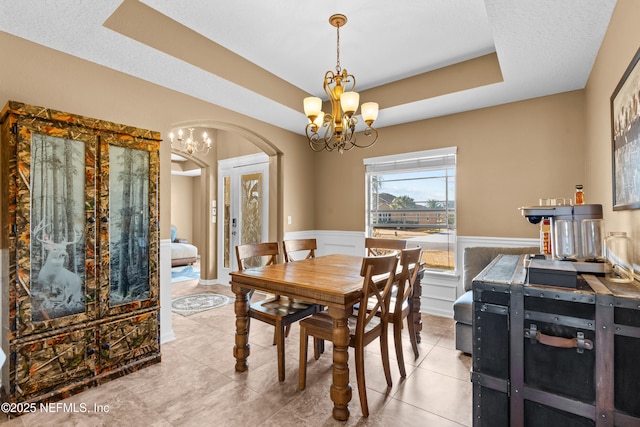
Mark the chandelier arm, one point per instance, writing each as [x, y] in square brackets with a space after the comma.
[348, 138]
[315, 147]
[312, 135]
[349, 129]
[315, 144]
[348, 78]
[368, 132]
[329, 133]
[329, 79]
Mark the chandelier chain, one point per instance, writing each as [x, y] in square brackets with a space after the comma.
[338, 68]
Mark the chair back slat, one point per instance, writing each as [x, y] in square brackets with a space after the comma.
[377, 297]
[290, 246]
[377, 246]
[250, 255]
[410, 262]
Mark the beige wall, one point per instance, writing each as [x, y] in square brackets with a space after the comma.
[182, 209]
[620, 45]
[232, 145]
[45, 77]
[508, 156]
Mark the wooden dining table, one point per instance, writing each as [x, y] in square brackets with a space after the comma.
[333, 281]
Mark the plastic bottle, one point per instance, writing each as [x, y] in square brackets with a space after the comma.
[579, 195]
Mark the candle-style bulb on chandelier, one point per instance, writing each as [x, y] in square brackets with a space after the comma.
[191, 145]
[336, 130]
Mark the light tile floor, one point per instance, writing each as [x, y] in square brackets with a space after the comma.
[196, 383]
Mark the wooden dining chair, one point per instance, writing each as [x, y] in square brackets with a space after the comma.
[400, 304]
[308, 246]
[299, 245]
[364, 327]
[376, 246]
[275, 310]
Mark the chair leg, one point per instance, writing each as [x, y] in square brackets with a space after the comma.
[384, 349]
[317, 347]
[362, 386]
[397, 340]
[279, 337]
[412, 334]
[286, 334]
[302, 370]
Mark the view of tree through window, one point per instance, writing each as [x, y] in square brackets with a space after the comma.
[415, 200]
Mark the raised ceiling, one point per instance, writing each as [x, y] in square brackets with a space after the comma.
[417, 59]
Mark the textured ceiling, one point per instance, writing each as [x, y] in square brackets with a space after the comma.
[260, 58]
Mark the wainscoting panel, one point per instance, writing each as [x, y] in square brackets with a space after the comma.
[333, 242]
[439, 290]
[166, 326]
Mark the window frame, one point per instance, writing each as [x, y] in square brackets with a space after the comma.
[415, 161]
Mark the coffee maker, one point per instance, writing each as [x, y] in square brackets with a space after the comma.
[577, 233]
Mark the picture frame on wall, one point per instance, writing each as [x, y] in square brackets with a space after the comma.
[625, 138]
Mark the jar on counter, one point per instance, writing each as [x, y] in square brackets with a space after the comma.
[619, 257]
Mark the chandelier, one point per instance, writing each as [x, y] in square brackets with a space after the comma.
[190, 145]
[337, 130]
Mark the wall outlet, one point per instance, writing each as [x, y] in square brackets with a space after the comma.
[289, 220]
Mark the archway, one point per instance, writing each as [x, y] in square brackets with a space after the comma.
[208, 191]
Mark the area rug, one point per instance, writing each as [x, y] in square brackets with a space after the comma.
[192, 304]
[184, 273]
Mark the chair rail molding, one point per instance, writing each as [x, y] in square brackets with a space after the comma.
[439, 290]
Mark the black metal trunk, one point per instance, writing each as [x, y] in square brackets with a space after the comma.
[553, 356]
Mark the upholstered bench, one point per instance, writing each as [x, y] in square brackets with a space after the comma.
[474, 260]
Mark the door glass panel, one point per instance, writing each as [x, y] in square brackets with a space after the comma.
[251, 207]
[128, 225]
[227, 221]
[57, 227]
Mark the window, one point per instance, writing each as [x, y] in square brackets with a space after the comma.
[411, 196]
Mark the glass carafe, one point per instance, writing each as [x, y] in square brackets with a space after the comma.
[564, 240]
[592, 239]
[619, 256]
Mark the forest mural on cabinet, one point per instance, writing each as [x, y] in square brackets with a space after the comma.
[57, 221]
[129, 224]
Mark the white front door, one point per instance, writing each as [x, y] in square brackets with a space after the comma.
[243, 199]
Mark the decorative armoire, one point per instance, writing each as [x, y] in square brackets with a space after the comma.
[80, 252]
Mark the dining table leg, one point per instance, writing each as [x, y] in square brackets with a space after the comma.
[340, 387]
[241, 349]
